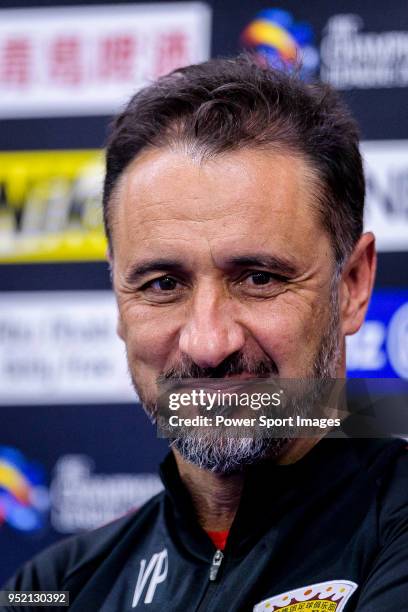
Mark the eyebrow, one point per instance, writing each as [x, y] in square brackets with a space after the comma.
[278, 264]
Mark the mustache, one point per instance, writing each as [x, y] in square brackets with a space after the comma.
[234, 365]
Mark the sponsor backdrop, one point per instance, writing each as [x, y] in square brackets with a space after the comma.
[76, 450]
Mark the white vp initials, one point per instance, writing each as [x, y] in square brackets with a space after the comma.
[156, 570]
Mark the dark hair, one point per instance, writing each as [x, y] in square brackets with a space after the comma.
[227, 104]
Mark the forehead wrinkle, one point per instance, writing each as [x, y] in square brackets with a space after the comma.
[136, 188]
[306, 187]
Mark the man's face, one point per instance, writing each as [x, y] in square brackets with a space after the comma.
[221, 267]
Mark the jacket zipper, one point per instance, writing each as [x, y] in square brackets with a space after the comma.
[216, 564]
[211, 586]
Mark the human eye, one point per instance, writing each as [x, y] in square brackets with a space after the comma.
[261, 282]
[260, 278]
[162, 289]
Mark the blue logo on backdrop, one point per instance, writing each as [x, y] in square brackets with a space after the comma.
[23, 495]
[278, 40]
[380, 348]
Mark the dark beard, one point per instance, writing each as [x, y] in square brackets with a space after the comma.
[227, 455]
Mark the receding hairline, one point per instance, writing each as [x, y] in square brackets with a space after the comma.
[192, 151]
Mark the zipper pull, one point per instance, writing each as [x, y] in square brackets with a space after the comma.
[216, 564]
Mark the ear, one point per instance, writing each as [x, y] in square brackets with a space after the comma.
[109, 258]
[357, 281]
[119, 325]
[119, 328]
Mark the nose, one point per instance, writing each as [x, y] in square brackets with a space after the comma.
[211, 332]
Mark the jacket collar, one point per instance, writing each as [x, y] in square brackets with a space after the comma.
[269, 492]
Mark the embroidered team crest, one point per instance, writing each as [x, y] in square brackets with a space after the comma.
[329, 596]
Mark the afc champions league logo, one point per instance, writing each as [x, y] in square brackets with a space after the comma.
[276, 39]
[24, 497]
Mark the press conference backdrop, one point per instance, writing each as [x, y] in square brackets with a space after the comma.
[75, 447]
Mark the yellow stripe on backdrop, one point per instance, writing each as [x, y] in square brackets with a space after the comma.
[51, 206]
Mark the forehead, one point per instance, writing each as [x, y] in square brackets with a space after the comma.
[171, 200]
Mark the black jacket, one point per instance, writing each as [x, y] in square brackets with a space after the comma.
[330, 532]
